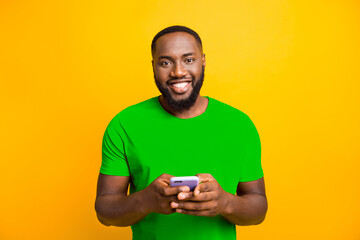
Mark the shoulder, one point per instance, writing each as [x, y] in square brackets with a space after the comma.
[136, 111]
[139, 108]
[233, 118]
[227, 110]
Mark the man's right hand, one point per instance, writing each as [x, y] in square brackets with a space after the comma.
[158, 195]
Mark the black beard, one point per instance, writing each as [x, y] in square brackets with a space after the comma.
[184, 104]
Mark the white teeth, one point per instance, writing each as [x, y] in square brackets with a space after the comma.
[180, 85]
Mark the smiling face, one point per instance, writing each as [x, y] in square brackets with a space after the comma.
[178, 64]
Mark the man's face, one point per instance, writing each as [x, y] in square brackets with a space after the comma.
[178, 64]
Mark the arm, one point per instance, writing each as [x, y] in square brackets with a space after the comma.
[113, 206]
[249, 206]
[209, 199]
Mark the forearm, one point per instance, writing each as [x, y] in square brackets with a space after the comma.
[248, 209]
[121, 211]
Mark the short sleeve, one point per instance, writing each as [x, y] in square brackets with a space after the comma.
[114, 160]
[251, 168]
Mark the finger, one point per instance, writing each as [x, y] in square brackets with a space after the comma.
[164, 182]
[166, 178]
[167, 191]
[202, 197]
[208, 213]
[185, 195]
[172, 198]
[197, 190]
[204, 187]
[204, 177]
[194, 205]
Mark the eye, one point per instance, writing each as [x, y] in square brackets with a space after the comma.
[189, 60]
[165, 63]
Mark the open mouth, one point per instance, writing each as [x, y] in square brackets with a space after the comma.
[180, 87]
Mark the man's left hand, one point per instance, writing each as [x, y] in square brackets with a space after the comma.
[207, 199]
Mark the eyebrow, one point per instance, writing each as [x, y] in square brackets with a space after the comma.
[184, 55]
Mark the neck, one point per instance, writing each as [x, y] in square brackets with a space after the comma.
[197, 109]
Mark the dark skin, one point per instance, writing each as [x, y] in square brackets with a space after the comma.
[179, 55]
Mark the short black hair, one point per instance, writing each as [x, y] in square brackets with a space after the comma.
[171, 29]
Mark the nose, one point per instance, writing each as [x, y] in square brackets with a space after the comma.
[178, 71]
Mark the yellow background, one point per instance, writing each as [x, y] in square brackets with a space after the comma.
[67, 67]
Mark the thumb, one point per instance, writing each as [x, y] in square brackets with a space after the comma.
[197, 190]
[184, 189]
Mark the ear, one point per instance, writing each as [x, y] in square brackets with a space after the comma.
[153, 67]
[203, 60]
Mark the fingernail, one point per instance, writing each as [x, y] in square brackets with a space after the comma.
[178, 210]
[184, 189]
[197, 192]
[181, 196]
[174, 204]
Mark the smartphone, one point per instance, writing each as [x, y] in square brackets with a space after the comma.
[190, 181]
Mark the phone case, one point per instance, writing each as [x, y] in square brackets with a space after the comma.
[191, 181]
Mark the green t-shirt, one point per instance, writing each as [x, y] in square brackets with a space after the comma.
[144, 141]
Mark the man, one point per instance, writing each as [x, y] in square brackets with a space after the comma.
[180, 133]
